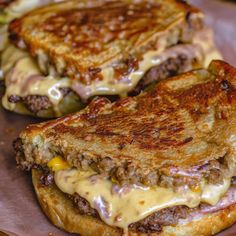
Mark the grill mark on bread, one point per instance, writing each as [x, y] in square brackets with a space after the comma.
[89, 24]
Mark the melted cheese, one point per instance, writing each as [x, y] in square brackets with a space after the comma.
[202, 49]
[111, 86]
[10, 56]
[23, 77]
[205, 39]
[211, 194]
[57, 163]
[122, 206]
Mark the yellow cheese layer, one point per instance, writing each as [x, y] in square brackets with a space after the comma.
[23, 77]
[19, 69]
[122, 86]
[57, 163]
[122, 206]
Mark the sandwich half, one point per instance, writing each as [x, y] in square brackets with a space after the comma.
[64, 54]
[161, 163]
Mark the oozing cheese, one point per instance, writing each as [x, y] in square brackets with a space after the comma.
[122, 206]
[205, 39]
[23, 77]
[10, 56]
[111, 86]
[57, 163]
[20, 68]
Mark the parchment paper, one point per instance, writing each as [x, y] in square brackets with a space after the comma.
[20, 213]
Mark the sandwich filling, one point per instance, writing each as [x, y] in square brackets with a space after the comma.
[122, 206]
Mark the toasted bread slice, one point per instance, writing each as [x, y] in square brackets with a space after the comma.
[185, 128]
[79, 42]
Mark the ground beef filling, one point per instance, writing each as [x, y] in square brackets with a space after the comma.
[127, 173]
[34, 103]
[37, 103]
[153, 223]
[165, 217]
[83, 206]
[170, 67]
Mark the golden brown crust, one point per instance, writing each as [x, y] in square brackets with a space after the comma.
[61, 213]
[78, 40]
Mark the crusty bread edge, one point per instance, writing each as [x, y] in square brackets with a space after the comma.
[63, 214]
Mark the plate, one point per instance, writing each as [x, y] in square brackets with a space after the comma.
[20, 213]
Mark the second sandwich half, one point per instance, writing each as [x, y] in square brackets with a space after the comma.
[62, 55]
